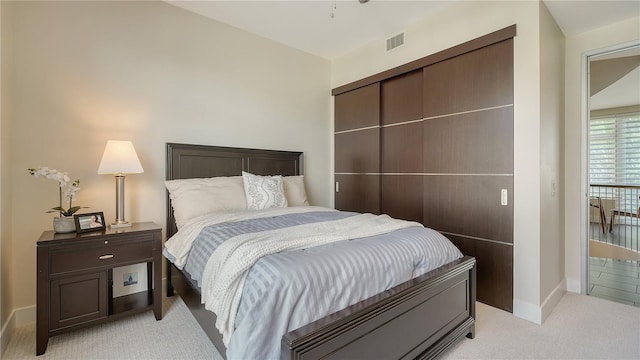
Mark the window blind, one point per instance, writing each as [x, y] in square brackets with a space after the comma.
[614, 149]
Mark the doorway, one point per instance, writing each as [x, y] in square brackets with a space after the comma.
[613, 177]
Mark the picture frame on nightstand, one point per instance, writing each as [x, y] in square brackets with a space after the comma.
[89, 222]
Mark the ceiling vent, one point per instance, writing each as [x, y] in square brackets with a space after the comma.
[395, 41]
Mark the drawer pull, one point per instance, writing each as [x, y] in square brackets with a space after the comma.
[105, 257]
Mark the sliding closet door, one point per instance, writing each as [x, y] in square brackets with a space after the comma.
[432, 141]
[468, 162]
[357, 149]
[402, 146]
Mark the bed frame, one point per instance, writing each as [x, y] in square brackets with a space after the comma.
[418, 319]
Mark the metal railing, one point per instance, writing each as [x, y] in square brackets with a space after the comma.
[614, 212]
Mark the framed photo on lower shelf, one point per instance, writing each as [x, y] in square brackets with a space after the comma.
[129, 279]
[89, 222]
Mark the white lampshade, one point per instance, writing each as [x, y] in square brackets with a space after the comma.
[119, 158]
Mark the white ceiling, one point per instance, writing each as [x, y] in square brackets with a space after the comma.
[578, 16]
[624, 92]
[308, 26]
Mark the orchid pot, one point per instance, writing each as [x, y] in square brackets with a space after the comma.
[64, 224]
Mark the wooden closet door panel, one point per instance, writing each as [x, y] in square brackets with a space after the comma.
[479, 79]
[402, 197]
[494, 270]
[473, 143]
[445, 152]
[358, 108]
[468, 154]
[401, 98]
[401, 101]
[402, 148]
[358, 151]
[359, 193]
[469, 205]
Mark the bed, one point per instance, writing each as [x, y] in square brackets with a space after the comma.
[419, 318]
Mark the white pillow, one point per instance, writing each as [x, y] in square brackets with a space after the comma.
[263, 192]
[191, 198]
[294, 190]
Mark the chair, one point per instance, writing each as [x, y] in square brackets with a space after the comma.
[620, 212]
[603, 217]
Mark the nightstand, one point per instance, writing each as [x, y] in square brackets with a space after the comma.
[74, 286]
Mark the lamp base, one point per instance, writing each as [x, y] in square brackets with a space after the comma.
[119, 225]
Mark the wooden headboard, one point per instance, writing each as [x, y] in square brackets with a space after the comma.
[185, 161]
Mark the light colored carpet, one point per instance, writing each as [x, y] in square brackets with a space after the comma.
[580, 327]
[176, 336]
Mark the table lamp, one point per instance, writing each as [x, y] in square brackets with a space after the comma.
[119, 158]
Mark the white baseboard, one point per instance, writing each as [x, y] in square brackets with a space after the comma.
[574, 285]
[6, 332]
[527, 311]
[18, 317]
[25, 315]
[553, 299]
[537, 314]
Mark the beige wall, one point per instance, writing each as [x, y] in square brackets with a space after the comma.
[551, 155]
[576, 45]
[6, 263]
[87, 72]
[453, 25]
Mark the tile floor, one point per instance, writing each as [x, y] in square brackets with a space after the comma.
[615, 280]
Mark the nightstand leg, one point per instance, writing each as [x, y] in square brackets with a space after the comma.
[41, 344]
[42, 301]
[157, 284]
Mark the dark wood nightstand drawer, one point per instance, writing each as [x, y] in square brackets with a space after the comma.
[107, 255]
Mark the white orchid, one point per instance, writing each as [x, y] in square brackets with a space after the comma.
[63, 180]
[70, 193]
